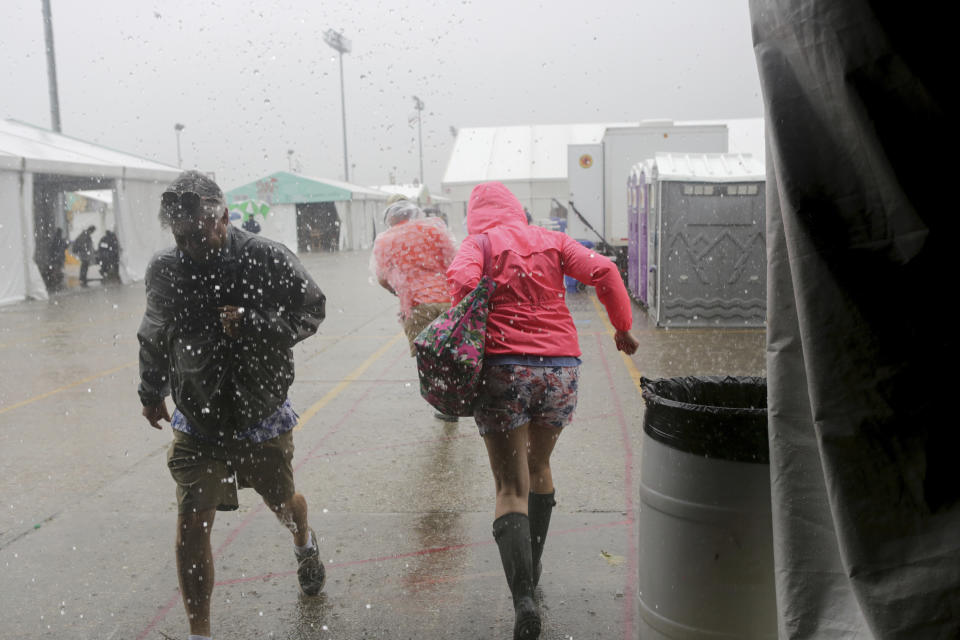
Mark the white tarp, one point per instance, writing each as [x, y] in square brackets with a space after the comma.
[138, 227]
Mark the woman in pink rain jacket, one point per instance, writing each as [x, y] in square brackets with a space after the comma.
[531, 369]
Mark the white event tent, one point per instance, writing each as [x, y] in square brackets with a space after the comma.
[529, 159]
[37, 167]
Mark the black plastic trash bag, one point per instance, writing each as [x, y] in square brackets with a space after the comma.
[714, 416]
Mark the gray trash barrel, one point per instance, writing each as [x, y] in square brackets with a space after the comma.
[706, 544]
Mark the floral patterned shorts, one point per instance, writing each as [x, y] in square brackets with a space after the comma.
[513, 395]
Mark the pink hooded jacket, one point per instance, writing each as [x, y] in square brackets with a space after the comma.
[528, 314]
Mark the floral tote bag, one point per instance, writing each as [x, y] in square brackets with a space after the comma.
[450, 349]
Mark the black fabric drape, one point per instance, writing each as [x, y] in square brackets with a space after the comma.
[861, 343]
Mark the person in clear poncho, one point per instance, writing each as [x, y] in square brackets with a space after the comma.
[410, 260]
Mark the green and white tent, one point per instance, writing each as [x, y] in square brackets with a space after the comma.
[307, 213]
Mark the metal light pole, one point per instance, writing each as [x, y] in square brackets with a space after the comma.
[178, 128]
[290, 160]
[51, 67]
[418, 105]
[342, 45]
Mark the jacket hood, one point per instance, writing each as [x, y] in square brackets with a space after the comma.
[493, 205]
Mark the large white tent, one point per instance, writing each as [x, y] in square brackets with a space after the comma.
[530, 159]
[37, 167]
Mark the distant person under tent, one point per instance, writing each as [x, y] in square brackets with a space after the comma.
[51, 260]
[82, 248]
[108, 257]
[251, 225]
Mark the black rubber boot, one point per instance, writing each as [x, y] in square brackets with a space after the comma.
[539, 506]
[512, 533]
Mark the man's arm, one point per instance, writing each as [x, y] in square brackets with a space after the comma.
[155, 413]
[154, 360]
[302, 305]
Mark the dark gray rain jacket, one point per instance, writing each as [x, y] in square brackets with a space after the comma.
[223, 384]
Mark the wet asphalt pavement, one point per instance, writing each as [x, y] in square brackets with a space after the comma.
[402, 502]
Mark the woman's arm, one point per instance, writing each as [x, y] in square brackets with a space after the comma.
[465, 271]
[591, 268]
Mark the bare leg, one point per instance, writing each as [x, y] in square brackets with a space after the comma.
[511, 526]
[508, 461]
[195, 567]
[542, 440]
[293, 515]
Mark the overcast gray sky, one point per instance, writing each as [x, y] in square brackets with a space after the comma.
[252, 79]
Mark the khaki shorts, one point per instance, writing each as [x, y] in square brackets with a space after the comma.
[209, 475]
[420, 316]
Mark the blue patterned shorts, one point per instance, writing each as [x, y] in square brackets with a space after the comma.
[514, 395]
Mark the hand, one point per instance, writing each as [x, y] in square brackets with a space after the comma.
[626, 342]
[154, 413]
[386, 285]
[232, 318]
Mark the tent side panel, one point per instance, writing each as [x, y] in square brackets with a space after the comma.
[366, 222]
[32, 279]
[280, 225]
[13, 264]
[137, 204]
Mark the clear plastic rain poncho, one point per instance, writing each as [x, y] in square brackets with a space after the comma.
[412, 256]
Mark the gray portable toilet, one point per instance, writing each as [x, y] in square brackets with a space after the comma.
[706, 240]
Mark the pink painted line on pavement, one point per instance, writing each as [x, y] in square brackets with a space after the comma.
[235, 532]
[164, 610]
[406, 443]
[630, 588]
[420, 552]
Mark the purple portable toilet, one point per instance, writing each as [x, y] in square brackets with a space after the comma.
[633, 236]
[638, 205]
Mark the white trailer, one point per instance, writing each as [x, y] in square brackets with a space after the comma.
[597, 173]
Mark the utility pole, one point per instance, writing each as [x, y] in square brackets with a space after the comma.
[342, 45]
[418, 105]
[178, 128]
[51, 67]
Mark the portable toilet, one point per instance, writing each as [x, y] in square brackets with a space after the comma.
[706, 240]
[638, 204]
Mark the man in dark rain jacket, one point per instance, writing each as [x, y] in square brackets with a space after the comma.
[224, 308]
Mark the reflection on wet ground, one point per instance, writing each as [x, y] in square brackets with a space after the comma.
[403, 503]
